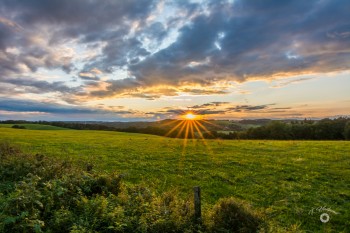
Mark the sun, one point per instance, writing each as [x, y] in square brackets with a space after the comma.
[190, 116]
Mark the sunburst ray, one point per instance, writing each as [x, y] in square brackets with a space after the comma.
[174, 128]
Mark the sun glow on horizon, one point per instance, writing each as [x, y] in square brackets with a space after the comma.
[191, 126]
[190, 116]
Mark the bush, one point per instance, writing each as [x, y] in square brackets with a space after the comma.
[18, 127]
[232, 215]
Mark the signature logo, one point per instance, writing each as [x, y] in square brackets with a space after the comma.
[325, 213]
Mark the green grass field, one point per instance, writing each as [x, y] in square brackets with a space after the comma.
[34, 126]
[283, 179]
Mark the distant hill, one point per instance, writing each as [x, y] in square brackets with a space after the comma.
[211, 125]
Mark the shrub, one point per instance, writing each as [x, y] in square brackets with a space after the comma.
[45, 194]
[18, 127]
[232, 215]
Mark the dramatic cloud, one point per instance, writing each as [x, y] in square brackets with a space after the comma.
[15, 105]
[216, 40]
[220, 109]
[211, 104]
[38, 34]
[81, 51]
[240, 108]
[37, 86]
[265, 108]
[250, 39]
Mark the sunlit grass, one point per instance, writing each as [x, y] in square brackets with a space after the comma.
[284, 179]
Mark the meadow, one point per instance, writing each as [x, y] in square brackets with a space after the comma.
[287, 181]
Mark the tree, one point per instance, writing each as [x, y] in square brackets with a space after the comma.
[18, 127]
[347, 131]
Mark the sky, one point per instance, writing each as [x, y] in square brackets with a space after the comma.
[130, 60]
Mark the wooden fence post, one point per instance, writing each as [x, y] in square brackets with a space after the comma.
[197, 203]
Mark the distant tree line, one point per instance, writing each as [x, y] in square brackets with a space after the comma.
[90, 126]
[68, 125]
[325, 129]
